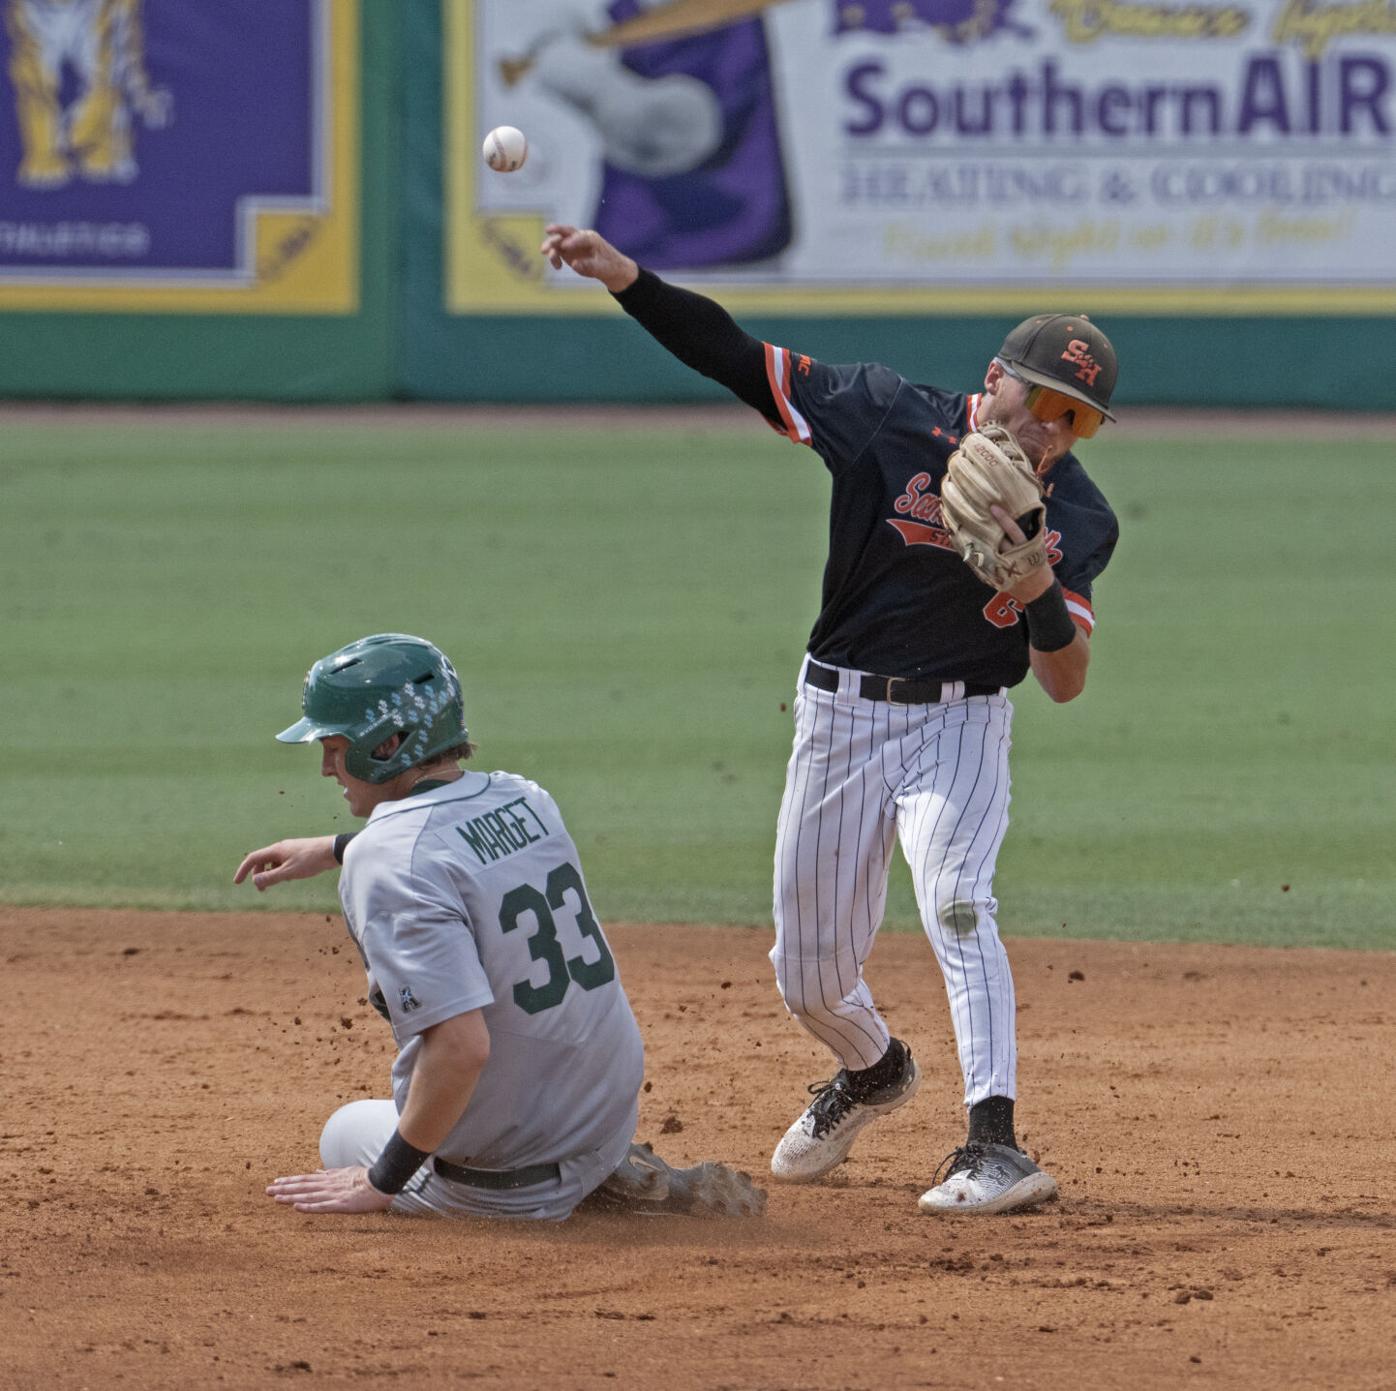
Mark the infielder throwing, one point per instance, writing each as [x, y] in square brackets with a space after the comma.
[520, 1062]
[956, 565]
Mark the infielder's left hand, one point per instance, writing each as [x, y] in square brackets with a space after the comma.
[1038, 582]
[330, 1190]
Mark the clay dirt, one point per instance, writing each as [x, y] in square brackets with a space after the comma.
[1219, 1119]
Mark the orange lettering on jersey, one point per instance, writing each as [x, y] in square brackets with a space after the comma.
[1003, 610]
[914, 500]
[919, 534]
[928, 528]
[802, 367]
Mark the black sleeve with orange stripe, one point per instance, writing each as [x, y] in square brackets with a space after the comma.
[704, 336]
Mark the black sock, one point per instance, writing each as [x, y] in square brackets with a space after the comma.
[991, 1122]
[888, 1068]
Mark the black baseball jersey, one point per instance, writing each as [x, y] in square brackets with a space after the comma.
[897, 599]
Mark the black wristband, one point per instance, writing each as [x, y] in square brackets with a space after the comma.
[341, 844]
[398, 1162]
[1050, 625]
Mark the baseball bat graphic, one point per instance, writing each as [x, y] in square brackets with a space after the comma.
[673, 20]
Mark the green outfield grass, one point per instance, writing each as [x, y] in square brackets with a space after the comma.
[628, 610]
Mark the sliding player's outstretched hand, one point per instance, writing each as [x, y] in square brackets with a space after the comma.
[330, 1190]
[288, 859]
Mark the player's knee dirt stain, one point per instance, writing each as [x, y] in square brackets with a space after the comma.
[959, 916]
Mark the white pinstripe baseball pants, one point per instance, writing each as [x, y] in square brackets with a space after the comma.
[936, 776]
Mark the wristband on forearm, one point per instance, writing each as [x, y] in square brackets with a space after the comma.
[398, 1162]
[1050, 625]
[341, 844]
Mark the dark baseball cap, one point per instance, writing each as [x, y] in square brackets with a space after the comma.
[1067, 353]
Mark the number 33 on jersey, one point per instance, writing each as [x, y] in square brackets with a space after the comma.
[470, 896]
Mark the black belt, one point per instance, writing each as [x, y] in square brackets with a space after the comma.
[497, 1178]
[899, 690]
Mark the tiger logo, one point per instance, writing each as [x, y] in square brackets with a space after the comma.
[96, 48]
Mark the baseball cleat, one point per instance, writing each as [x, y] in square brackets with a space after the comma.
[820, 1140]
[987, 1179]
[714, 1190]
[645, 1185]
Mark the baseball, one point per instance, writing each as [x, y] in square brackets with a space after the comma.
[506, 148]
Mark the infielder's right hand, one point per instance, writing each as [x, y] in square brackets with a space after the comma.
[287, 859]
[589, 254]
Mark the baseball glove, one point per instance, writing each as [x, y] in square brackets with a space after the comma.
[990, 467]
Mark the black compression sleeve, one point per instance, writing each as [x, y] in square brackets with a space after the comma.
[704, 336]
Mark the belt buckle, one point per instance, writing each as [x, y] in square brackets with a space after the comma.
[889, 697]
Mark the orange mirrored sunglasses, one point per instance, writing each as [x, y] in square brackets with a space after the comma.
[1048, 405]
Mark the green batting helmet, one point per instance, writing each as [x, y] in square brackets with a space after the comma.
[387, 684]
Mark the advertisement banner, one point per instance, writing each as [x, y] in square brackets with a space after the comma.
[924, 156]
[179, 155]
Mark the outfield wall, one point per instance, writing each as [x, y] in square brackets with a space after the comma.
[292, 206]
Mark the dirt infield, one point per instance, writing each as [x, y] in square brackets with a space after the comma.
[1221, 1122]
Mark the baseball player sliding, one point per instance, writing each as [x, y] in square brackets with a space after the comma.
[964, 540]
[515, 1090]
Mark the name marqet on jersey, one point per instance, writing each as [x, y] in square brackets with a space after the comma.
[501, 832]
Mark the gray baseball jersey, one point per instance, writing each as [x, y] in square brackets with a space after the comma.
[470, 896]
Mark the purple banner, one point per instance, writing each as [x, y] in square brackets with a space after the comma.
[730, 205]
[136, 135]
